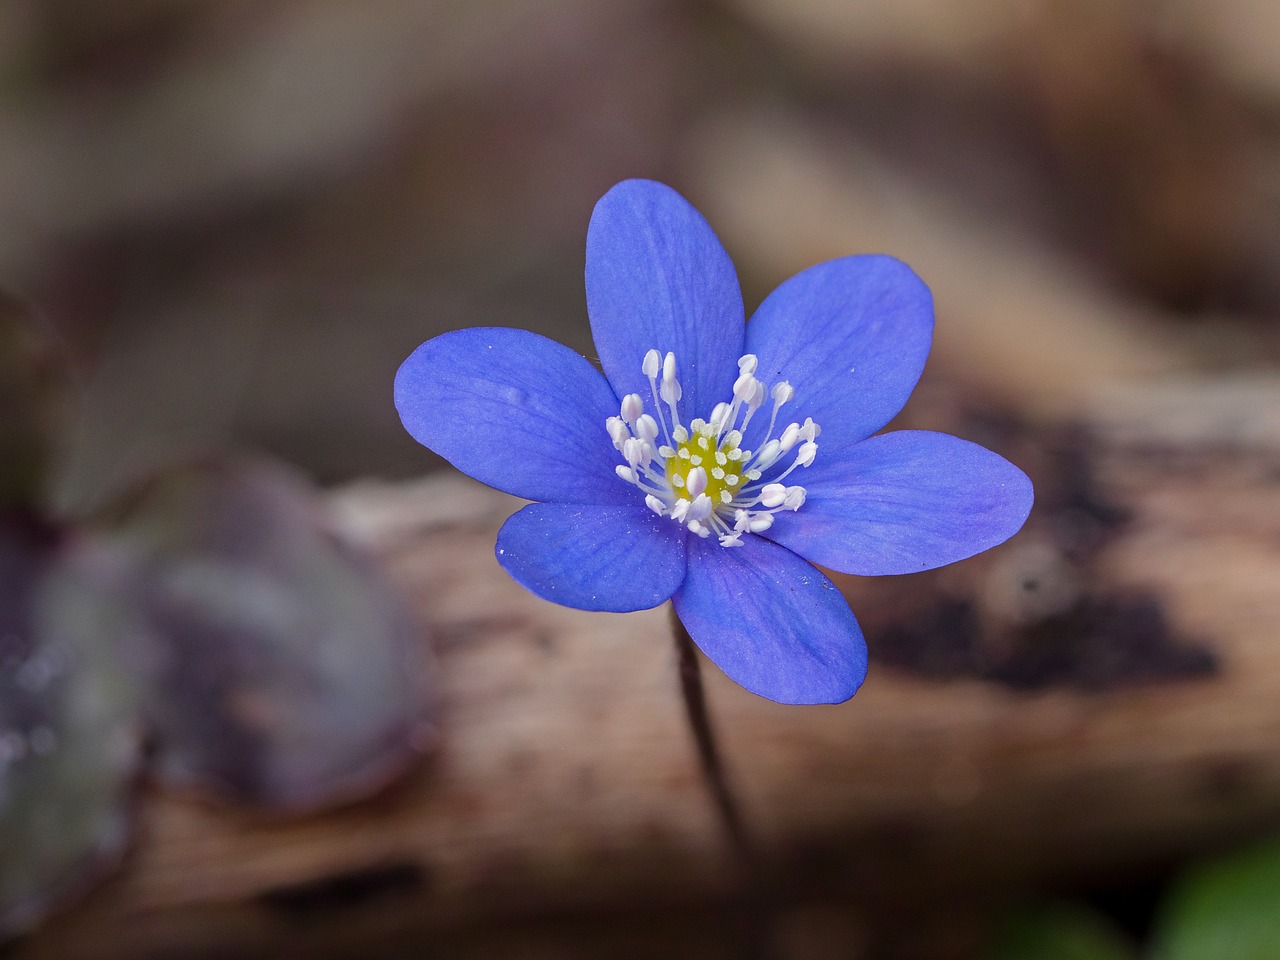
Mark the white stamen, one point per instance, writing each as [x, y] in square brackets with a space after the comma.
[702, 477]
[637, 452]
[632, 407]
[768, 455]
[773, 494]
[789, 437]
[719, 416]
[618, 431]
[646, 428]
[702, 507]
[652, 363]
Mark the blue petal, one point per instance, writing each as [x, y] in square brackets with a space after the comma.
[593, 557]
[772, 622]
[517, 411]
[658, 278]
[851, 336]
[906, 501]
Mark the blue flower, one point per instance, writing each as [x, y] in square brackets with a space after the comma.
[716, 460]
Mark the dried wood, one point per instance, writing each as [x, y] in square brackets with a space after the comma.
[566, 784]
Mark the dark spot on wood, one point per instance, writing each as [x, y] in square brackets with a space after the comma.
[346, 890]
[1227, 778]
[1101, 643]
[520, 761]
[586, 781]
[456, 633]
[545, 642]
[1049, 623]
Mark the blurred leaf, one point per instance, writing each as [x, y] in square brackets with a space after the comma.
[68, 733]
[283, 669]
[1060, 931]
[31, 387]
[1226, 910]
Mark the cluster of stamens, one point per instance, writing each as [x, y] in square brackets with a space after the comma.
[700, 476]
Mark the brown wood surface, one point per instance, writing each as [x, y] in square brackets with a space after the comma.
[566, 785]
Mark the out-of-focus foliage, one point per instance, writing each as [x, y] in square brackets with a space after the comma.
[279, 668]
[1228, 909]
[69, 743]
[31, 382]
[216, 616]
[1059, 931]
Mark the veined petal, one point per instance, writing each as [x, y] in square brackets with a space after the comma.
[851, 336]
[658, 278]
[772, 622]
[612, 558]
[515, 410]
[906, 501]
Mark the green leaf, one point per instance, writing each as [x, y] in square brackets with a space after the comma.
[1228, 909]
[1059, 931]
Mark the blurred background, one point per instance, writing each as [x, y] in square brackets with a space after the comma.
[241, 216]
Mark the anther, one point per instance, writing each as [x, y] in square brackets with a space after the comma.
[632, 408]
[618, 431]
[789, 436]
[637, 452]
[646, 428]
[773, 494]
[701, 507]
[652, 363]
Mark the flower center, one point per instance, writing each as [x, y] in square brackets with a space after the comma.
[701, 476]
[720, 461]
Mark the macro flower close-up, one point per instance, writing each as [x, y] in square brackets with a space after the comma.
[716, 461]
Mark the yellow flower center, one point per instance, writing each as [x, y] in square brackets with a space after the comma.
[723, 466]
